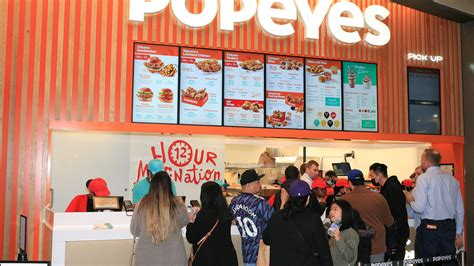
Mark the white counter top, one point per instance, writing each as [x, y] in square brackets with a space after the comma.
[79, 226]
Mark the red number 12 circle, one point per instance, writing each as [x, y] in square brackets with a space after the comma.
[180, 153]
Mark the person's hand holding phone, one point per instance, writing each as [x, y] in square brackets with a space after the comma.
[193, 213]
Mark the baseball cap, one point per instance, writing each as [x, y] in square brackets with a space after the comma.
[286, 185]
[355, 174]
[154, 166]
[249, 176]
[342, 182]
[407, 183]
[299, 188]
[318, 183]
[99, 187]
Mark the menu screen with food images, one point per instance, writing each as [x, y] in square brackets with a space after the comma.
[360, 96]
[243, 89]
[285, 92]
[155, 84]
[323, 94]
[201, 87]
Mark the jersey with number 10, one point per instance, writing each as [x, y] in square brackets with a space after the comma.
[252, 214]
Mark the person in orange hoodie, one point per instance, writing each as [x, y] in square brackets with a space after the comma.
[83, 203]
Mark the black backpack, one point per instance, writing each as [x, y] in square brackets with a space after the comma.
[365, 238]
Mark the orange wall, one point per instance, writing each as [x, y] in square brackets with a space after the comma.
[64, 60]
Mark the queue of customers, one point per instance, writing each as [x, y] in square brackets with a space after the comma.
[362, 225]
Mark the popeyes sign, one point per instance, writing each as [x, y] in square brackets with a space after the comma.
[340, 17]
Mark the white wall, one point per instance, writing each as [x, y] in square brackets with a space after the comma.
[79, 156]
[400, 161]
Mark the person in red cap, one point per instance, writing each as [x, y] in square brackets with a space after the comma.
[319, 188]
[83, 203]
[407, 184]
[341, 188]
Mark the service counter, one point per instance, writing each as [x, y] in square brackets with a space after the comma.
[75, 242]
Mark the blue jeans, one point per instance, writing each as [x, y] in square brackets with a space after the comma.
[250, 264]
[436, 238]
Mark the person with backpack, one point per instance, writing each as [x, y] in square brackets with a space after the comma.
[344, 240]
[295, 234]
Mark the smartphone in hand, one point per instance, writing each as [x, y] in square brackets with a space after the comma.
[195, 203]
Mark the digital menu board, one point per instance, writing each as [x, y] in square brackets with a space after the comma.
[360, 96]
[243, 89]
[285, 92]
[323, 94]
[155, 84]
[201, 87]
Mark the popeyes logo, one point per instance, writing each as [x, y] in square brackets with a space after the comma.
[184, 163]
[343, 18]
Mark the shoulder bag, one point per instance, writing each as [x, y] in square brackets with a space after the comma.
[192, 254]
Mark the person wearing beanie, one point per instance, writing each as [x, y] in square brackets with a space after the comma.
[374, 211]
[83, 203]
[142, 187]
[295, 234]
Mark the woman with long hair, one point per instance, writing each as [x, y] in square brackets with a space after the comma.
[157, 221]
[344, 240]
[295, 234]
[217, 249]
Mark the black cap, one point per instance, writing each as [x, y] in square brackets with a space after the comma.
[249, 176]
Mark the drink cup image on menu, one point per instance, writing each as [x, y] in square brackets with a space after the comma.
[367, 82]
[351, 74]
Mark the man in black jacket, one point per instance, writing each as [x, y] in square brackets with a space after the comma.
[392, 191]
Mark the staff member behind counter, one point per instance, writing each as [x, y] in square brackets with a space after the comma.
[142, 187]
[83, 203]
